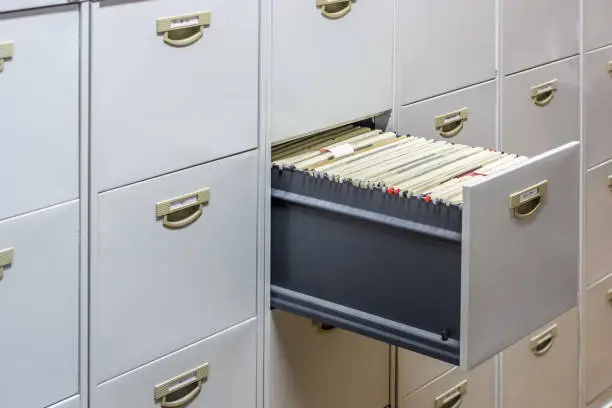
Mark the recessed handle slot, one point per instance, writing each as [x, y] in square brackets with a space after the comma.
[182, 211]
[182, 389]
[526, 203]
[181, 31]
[451, 124]
[335, 9]
[452, 398]
[6, 258]
[323, 327]
[543, 94]
[543, 342]
[7, 50]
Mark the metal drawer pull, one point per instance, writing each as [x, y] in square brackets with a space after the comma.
[450, 124]
[183, 211]
[181, 31]
[180, 385]
[452, 398]
[609, 296]
[526, 203]
[543, 342]
[335, 9]
[544, 93]
[6, 258]
[610, 182]
[610, 67]
[7, 49]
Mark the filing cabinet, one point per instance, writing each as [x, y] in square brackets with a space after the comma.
[168, 79]
[329, 65]
[598, 231]
[536, 32]
[186, 243]
[542, 369]
[598, 328]
[541, 108]
[318, 366]
[597, 30]
[603, 401]
[467, 116]
[220, 369]
[416, 370]
[39, 306]
[40, 108]
[597, 104]
[475, 389]
[447, 55]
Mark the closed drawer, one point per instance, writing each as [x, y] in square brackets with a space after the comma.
[325, 369]
[40, 108]
[475, 389]
[39, 306]
[219, 371]
[467, 116]
[598, 326]
[380, 258]
[603, 401]
[162, 100]
[542, 369]
[415, 370]
[541, 108]
[73, 402]
[537, 32]
[318, 63]
[447, 55]
[166, 282]
[598, 201]
[597, 102]
[9, 5]
[597, 29]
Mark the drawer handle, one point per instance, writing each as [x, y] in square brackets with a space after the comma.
[451, 124]
[335, 9]
[609, 296]
[543, 342]
[179, 385]
[610, 67]
[526, 203]
[452, 398]
[6, 258]
[181, 31]
[544, 93]
[182, 211]
[7, 49]
[610, 182]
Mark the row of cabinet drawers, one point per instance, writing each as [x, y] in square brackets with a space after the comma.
[540, 370]
[531, 123]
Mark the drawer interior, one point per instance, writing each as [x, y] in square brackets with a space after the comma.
[375, 260]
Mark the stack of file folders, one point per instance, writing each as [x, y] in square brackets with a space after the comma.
[409, 166]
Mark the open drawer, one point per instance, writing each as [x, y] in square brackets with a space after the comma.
[455, 282]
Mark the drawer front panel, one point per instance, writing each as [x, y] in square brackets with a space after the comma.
[163, 101]
[415, 370]
[43, 272]
[475, 389]
[598, 325]
[597, 104]
[325, 369]
[542, 369]
[477, 129]
[11, 5]
[535, 250]
[541, 108]
[320, 63]
[453, 54]
[597, 28]
[537, 32]
[598, 201]
[74, 402]
[226, 377]
[40, 108]
[194, 269]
